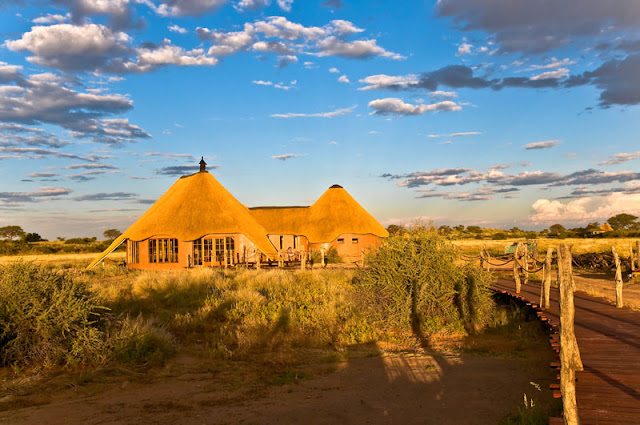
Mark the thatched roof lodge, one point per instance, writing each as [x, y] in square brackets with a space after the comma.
[197, 222]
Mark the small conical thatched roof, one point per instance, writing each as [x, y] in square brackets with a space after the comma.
[195, 206]
[606, 227]
[335, 213]
[332, 215]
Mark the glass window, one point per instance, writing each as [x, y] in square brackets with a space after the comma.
[208, 246]
[134, 252]
[219, 250]
[197, 252]
[163, 250]
[341, 240]
[354, 240]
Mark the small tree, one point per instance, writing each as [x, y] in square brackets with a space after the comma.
[394, 229]
[556, 229]
[474, 229]
[33, 237]
[11, 232]
[111, 233]
[422, 287]
[623, 222]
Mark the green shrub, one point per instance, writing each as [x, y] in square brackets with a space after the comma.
[47, 318]
[418, 284]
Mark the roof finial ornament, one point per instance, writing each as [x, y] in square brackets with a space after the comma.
[203, 165]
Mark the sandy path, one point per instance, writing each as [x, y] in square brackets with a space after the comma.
[390, 389]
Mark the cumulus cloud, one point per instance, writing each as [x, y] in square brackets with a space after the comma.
[464, 49]
[50, 19]
[178, 29]
[343, 79]
[358, 49]
[39, 153]
[557, 73]
[252, 5]
[330, 114]
[288, 156]
[585, 209]
[547, 144]
[228, 43]
[389, 82]
[395, 106]
[90, 167]
[72, 47]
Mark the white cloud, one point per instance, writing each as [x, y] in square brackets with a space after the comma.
[466, 133]
[464, 49]
[333, 143]
[334, 70]
[287, 156]
[275, 85]
[619, 158]
[558, 73]
[382, 81]
[285, 5]
[71, 47]
[358, 49]
[178, 29]
[168, 54]
[331, 114]
[228, 43]
[342, 27]
[547, 144]
[585, 209]
[554, 63]
[395, 106]
[51, 19]
[251, 4]
[440, 93]
[343, 79]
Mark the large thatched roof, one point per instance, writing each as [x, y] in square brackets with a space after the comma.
[333, 214]
[195, 206]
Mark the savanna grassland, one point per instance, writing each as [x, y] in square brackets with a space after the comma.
[411, 337]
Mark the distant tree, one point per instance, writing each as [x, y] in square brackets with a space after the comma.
[11, 232]
[474, 229]
[556, 229]
[61, 238]
[33, 237]
[515, 230]
[500, 236]
[394, 229]
[114, 233]
[459, 228]
[444, 230]
[623, 222]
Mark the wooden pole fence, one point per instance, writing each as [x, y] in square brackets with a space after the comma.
[570, 360]
[545, 286]
[516, 271]
[616, 258]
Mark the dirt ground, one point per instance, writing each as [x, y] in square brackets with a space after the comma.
[400, 388]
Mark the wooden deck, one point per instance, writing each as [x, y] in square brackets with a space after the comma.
[608, 390]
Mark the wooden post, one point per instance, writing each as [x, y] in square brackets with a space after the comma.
[225, 252]
[570, 360]
[258, 257]
[547, 279]
[536, 254]
[632, 258]
[482, 259]
[322, 257]
[638, 253]
[619, 303]
[525, 262]
[280, 259]
[516, 271]
[303, 259]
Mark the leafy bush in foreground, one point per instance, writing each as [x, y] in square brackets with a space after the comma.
[46, 317]
[420, 283]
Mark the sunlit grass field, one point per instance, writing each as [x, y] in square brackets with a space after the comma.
[578, 245]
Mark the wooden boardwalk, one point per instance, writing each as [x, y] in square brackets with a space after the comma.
[608, 390]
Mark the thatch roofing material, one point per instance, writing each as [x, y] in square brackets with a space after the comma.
[333, 214]
[195, 206]
[606, 227]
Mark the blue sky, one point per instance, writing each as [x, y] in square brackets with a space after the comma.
[504, 113]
